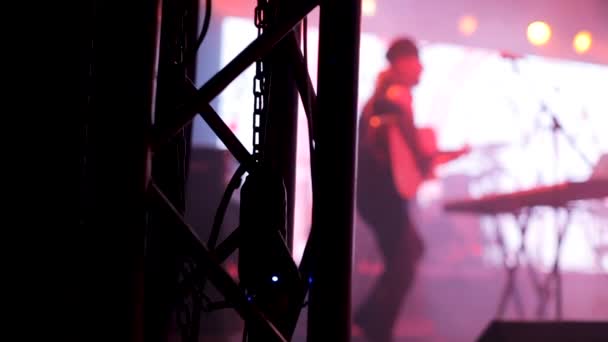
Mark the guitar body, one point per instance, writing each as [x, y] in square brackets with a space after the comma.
[407, 176]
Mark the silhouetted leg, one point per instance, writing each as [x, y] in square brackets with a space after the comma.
[401, 248]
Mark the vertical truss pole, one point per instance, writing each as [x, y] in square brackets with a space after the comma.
[124, 49]
[177, 38]
[282, 116]
[281, 137]
[335, 128]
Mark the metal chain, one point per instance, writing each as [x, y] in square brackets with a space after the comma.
[261, 84]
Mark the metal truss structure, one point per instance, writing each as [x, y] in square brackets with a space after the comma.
[142, 102]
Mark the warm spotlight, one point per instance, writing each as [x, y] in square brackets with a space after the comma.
[539, 33]
[467, 25]
[375, 121]
[582, 42]
[368, 8]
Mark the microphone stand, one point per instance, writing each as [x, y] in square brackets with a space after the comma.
[514, 61]
[542, 287]
[556, 129]
[556, 124]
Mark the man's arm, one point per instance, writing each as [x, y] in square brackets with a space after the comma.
[402, 96]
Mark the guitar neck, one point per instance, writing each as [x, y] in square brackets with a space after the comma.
[443, 157]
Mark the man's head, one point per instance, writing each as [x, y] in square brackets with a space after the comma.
[404, 61]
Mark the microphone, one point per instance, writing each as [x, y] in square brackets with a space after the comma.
[510, 55]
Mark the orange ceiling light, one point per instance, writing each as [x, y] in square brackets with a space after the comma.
[467, 25]
[368, 8]
[539, 33]
[582, 42]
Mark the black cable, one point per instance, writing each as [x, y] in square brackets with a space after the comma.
[309, 119]
[305, 39]
[205, 28]
[304, 267]
[191, 56]
[233, 184]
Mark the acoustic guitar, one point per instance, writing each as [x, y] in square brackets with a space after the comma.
[407, 175]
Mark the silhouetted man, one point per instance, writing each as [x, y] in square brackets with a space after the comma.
[381, 202]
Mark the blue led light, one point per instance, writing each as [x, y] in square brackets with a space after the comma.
[274, 278]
